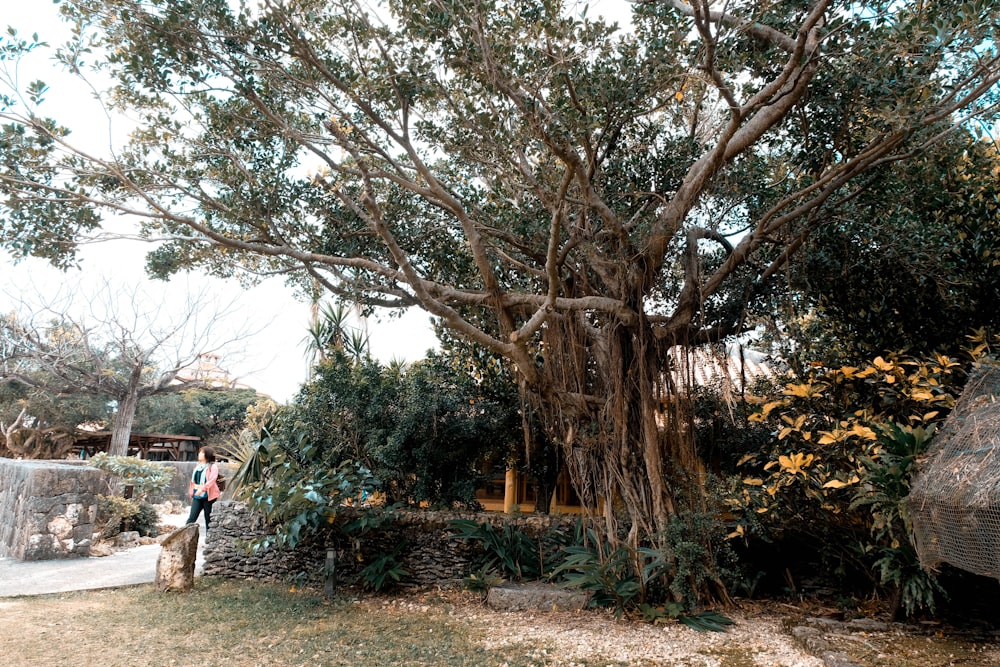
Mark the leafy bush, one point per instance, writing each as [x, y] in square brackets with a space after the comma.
[446, 426]
[146, 478]
[660, 581]
[244, 448]
[838, 467]
[288, 481]
[694, 553]
[482, 580]
[706, 621]
[117, 515]
[424, 431]
[885, 483]
[384, 571]
[507, 550]
[610, 577]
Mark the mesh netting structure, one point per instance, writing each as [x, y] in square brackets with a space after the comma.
[954, 502]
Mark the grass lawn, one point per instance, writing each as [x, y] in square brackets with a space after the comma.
[232, 623]
[245, 624]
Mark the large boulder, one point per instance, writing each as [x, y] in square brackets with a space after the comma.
[175, 566]
[127, 539]
[536, 596]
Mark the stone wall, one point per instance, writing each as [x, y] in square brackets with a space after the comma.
[47, 509]
[428, 553]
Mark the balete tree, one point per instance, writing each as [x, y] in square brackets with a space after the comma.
[581, 199]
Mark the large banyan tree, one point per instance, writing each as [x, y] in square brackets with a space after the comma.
[580, 197]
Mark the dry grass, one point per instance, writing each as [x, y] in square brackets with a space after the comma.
[244, 624]
[229, 623]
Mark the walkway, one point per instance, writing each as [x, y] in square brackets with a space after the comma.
[123, 568]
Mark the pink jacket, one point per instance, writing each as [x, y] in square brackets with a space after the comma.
[213, 489]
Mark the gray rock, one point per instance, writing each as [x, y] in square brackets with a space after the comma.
[127, 539]
[833, 659]
[100, 549]
[42, 546]
[175, 566]
[867, 625]
[537, 597]
[811, 638]
[826, 623]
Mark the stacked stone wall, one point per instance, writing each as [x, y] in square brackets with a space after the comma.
[426, 548]
[47, 509]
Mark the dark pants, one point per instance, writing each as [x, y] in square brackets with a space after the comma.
[197, 505]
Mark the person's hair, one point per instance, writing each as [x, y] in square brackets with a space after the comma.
[209, 454]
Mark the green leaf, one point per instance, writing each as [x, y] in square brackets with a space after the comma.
[706, 621]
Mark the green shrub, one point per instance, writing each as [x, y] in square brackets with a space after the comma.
[383, 572]
[146, 478]
[611, 577]
[838, 467]
[482, 580]
[426, 431]
[508, 550]
[659, 581]
[117, 515]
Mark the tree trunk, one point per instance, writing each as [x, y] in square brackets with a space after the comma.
[626, 433]
[9, 431]
[121, 429]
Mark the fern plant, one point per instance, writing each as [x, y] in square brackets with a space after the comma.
[383, 572]
[508, 550]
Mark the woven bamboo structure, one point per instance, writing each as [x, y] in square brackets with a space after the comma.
[954, 502]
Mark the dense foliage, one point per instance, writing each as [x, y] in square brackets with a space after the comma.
[116, 514]
[212, 415]
[426, 432]
[143, 479]
[835, 476]
[147, 478]
[858, 289]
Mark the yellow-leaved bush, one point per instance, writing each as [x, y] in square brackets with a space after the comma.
[837, 470]
[826, 433]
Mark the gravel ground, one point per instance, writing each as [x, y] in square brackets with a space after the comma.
[757, 641]
[765, 633]
[592, 637]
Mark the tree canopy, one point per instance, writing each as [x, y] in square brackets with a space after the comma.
[210, 414]
[857, 290]
[575, 197]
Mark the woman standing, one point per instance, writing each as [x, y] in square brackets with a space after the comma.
[203, 489]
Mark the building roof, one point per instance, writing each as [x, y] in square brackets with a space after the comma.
[103, 438]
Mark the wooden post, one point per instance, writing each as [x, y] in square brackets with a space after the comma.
[510, 491]
[330, 573]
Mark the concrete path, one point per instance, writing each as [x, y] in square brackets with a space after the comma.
[123, 568]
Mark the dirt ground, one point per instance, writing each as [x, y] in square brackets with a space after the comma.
[251, 624]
